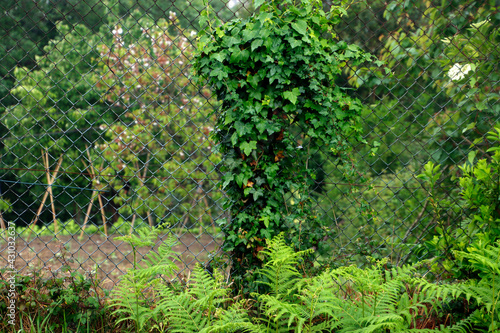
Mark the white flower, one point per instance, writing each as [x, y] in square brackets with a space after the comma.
[457, 72]
[193, 33]
[118, 31]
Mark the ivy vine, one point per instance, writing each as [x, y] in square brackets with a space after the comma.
[275, 74]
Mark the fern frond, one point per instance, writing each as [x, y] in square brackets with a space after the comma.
[233, 319]
[159, 263]
[483, 258]
[144, 237]
[207, 290]
[128, 302]
[318, 297]
[183, 315]
[279, 310]
[281, 268]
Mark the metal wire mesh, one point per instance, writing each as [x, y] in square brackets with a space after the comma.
[103, 132]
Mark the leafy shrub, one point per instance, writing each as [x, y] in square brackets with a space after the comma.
[473, 212]
[62, 301]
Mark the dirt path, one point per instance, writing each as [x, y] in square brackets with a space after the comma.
[112, 257]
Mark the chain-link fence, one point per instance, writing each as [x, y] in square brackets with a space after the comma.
[103, 132]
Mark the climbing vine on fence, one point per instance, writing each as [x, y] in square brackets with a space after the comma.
[275, 74]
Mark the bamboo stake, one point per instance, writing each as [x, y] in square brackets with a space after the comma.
[87, 216]
[54, 175]
[46, 162]
[132, 225]
[103, 215]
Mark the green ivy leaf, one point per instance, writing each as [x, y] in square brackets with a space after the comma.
[256, 43]
[242, 128]
[292, 95]
[253, 80]
[258, 3]
[294, 42]
[239, 55]
[300, 26]
[227, 179]
[219, 73]
[265, 219]
[247, 147]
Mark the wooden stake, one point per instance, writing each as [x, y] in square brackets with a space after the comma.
[103, 215]
[87, 216]
[49, 188]
[132, 225]
[51, 181]
[93, 176]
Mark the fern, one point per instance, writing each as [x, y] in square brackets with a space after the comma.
[347, 299]
[485, 259]
[193, 309]
[234, 319]
[128, 302]
[160, 262]
[383, 302]
[129, 298]
[280, 270]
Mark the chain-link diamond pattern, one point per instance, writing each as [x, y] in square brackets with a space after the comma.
[103, 131]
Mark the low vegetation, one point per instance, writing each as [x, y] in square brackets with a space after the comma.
[346, 299]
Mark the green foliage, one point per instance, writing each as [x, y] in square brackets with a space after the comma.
[485, 260]
[124, 103]
[194, 309]
[275, 74]
[130, 298]
[56, 118]
[67, 228]
[417, 112]
[473, 213]
[146, 297]
[482, 293]
[346, 299]
[157, 152]
[58, 302]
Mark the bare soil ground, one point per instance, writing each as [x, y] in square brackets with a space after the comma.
[112, 257]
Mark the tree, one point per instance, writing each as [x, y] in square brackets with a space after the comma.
[157, 154]
[58, 110]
